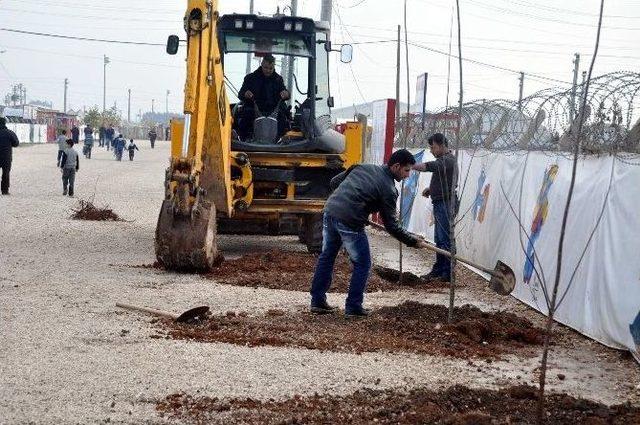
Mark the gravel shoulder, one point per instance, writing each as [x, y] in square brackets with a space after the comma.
[69, 356]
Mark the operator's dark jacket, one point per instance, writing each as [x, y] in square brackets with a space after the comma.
[362, 190]
[266, 90]
[8, 141]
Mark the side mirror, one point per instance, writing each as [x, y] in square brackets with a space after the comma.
[346, 53]
[172, 44]
[327, 46]
[330, 102]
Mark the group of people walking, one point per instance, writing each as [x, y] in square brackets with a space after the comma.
[68, 159]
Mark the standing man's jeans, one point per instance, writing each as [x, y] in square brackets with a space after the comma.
[4, 182]
[334, 235]
[442, 267]
[68, 178]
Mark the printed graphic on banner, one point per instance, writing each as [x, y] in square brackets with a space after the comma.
[409, 192]
[539, 217]
[635, 330]
[482, 197]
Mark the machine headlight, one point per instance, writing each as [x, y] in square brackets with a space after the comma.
[249, 25]
[298, 26]
[288, 26]
[238, 23]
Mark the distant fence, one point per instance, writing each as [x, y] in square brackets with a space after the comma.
[32, 133]
[46, 133]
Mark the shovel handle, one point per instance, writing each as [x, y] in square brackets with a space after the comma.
[448, 254]
[148, 310]
[462, 260]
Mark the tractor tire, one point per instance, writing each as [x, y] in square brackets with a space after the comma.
[311, 233]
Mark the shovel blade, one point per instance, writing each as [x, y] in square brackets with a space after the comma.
[503, 280]
[193, 314]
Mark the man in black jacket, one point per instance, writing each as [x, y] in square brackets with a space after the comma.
[8, 141]
[358, 192]
[264, 89]
[443, 183]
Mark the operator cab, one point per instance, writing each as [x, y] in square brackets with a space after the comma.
[301, 48]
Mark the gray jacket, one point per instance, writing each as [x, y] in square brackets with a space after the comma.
[70, 160]
[361, 191]
[61, 140]
[444, 171]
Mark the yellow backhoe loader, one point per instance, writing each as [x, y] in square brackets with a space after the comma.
[220, 181]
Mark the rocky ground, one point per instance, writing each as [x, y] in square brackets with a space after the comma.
[68, 355]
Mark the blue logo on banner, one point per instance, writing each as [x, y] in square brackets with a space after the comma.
[409, 192]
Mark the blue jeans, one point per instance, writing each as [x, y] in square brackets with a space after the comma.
[442, 266]
[334, 235]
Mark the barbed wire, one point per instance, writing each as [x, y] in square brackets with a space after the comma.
[545, 121]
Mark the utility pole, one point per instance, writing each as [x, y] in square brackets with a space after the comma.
[521, 88]
[572, 106]
[583, 85]
[291, 59]
[152, 105]
[166, 102]
[104, 84]
[325, 11]
[397, 120]
[423, 95]
[248, 69]
[66, 84]
[129, 107]
[24, 99]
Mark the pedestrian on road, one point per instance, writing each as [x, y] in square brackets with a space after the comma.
[75, 134]
[109, 134]
[88, 142]
[8, 141]
[132, 149]
[443, 183]
[101, 136]
[61, 140]
[118, 146]
[359, 192]
[69, 165]
[152, 137]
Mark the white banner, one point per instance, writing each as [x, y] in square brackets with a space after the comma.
[29, 133]
[374, 150]
[600, 278]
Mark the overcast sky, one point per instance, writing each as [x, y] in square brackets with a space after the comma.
[537, 37]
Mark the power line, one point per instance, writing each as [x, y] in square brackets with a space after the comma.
[543, 18]
[93, 17]
[477, 62]
[84, 6]
[538, 6]
[69, 37]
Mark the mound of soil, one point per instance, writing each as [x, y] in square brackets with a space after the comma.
[293, 271]
[86, 210]
[457, 405]
[408, 327]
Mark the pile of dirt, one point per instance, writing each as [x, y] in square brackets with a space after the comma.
[293, 271]
[86, 210]
[456, 405]
[409, 327]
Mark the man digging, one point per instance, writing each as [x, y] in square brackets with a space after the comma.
[359, 192]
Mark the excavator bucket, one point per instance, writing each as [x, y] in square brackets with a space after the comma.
[187, 243]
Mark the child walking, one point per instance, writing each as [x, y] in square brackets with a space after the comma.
[132, 149]
[69, 164]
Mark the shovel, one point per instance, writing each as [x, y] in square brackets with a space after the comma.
[186, 317]
[503, 280]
